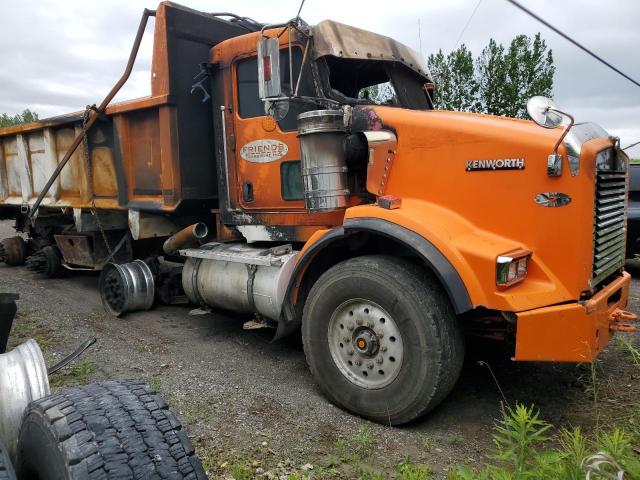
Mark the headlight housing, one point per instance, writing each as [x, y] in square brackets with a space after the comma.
[512, 267]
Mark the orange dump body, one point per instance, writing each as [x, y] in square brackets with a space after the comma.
[153, 153]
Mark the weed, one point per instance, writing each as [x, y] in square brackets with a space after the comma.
[516, 435]
[627, 346]
[357, 448]
[521, 432]
[156, 383]
[411, 471]
[240, 471]
[368, 474]
[574, 451]
[427, 442]
[77, 375]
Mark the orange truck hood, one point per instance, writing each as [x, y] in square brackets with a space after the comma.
[474, 216]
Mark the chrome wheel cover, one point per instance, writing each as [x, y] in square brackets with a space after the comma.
[365, 343]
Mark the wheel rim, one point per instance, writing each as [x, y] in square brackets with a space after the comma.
[365, 343]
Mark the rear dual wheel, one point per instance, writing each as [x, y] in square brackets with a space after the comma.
[13, 251]
[381, 338]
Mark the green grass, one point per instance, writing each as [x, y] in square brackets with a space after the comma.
[74, 375]
[357, 448]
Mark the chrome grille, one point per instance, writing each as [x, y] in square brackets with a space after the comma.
[609, 224]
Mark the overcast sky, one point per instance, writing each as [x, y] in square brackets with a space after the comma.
[59, 55]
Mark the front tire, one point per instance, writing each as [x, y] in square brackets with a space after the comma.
[381, 338]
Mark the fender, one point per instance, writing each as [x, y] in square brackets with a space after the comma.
[423, 248]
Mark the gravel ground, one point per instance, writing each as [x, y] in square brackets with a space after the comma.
[248, 401]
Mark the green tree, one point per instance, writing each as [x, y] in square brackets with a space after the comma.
[457, 87]
[491, 73]
[498, 82]
[26, 116]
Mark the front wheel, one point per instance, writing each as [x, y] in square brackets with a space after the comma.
[381, 338]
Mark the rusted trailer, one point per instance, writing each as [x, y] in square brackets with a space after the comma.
[147, 165]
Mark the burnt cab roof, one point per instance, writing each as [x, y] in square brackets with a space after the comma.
[344, 41]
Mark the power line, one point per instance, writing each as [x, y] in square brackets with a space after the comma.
[632, 145]
[466, 25]
[567, 37]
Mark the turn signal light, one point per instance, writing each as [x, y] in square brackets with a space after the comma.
[512, 267]
[266, 65]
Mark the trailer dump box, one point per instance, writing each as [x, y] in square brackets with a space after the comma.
[151, 154]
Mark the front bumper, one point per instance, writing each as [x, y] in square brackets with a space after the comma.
[574, 332]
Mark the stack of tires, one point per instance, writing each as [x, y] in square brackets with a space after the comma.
[108, 430]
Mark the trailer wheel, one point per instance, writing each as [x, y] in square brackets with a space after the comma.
[381, 338]
[6, 469]
[115, 430]
[47, 262]
[13, 251]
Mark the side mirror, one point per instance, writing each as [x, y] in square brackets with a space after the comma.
[544, 112]
[269, 85]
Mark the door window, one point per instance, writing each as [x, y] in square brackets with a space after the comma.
[249, 103]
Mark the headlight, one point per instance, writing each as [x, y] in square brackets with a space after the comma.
[512, 267]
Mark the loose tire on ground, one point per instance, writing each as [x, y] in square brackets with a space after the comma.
[6, 469]
[348, 308]
[108, 430]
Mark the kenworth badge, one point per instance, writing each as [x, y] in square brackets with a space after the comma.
[497, 164]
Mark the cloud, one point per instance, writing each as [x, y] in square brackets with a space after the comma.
[60, 55]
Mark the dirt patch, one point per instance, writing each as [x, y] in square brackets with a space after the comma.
[251, 403]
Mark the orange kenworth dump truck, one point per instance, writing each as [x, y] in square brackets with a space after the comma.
[303, 176]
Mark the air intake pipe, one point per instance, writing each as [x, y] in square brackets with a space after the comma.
[187, 237]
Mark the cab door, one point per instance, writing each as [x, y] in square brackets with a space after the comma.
[267, 152]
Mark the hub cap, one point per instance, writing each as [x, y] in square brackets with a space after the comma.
[365, 343]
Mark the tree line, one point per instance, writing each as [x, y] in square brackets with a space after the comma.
[27, 116]
[499, 81]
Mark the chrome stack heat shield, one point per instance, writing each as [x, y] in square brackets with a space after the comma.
[324, 167]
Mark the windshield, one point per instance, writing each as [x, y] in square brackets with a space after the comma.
[373, 82]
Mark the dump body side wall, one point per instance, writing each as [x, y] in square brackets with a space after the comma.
[151, 154]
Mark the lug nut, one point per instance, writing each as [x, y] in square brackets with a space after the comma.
[370, 324]
[359, 321]
[345, 339]
[350, 327]
[383, 348]
[350, 352]
[370, 366]
[380, 333]
[379, 360]
[358, 362]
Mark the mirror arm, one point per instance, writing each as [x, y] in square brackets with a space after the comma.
[304, 60]
[290, 60]
[566, 130]
[554, 162]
